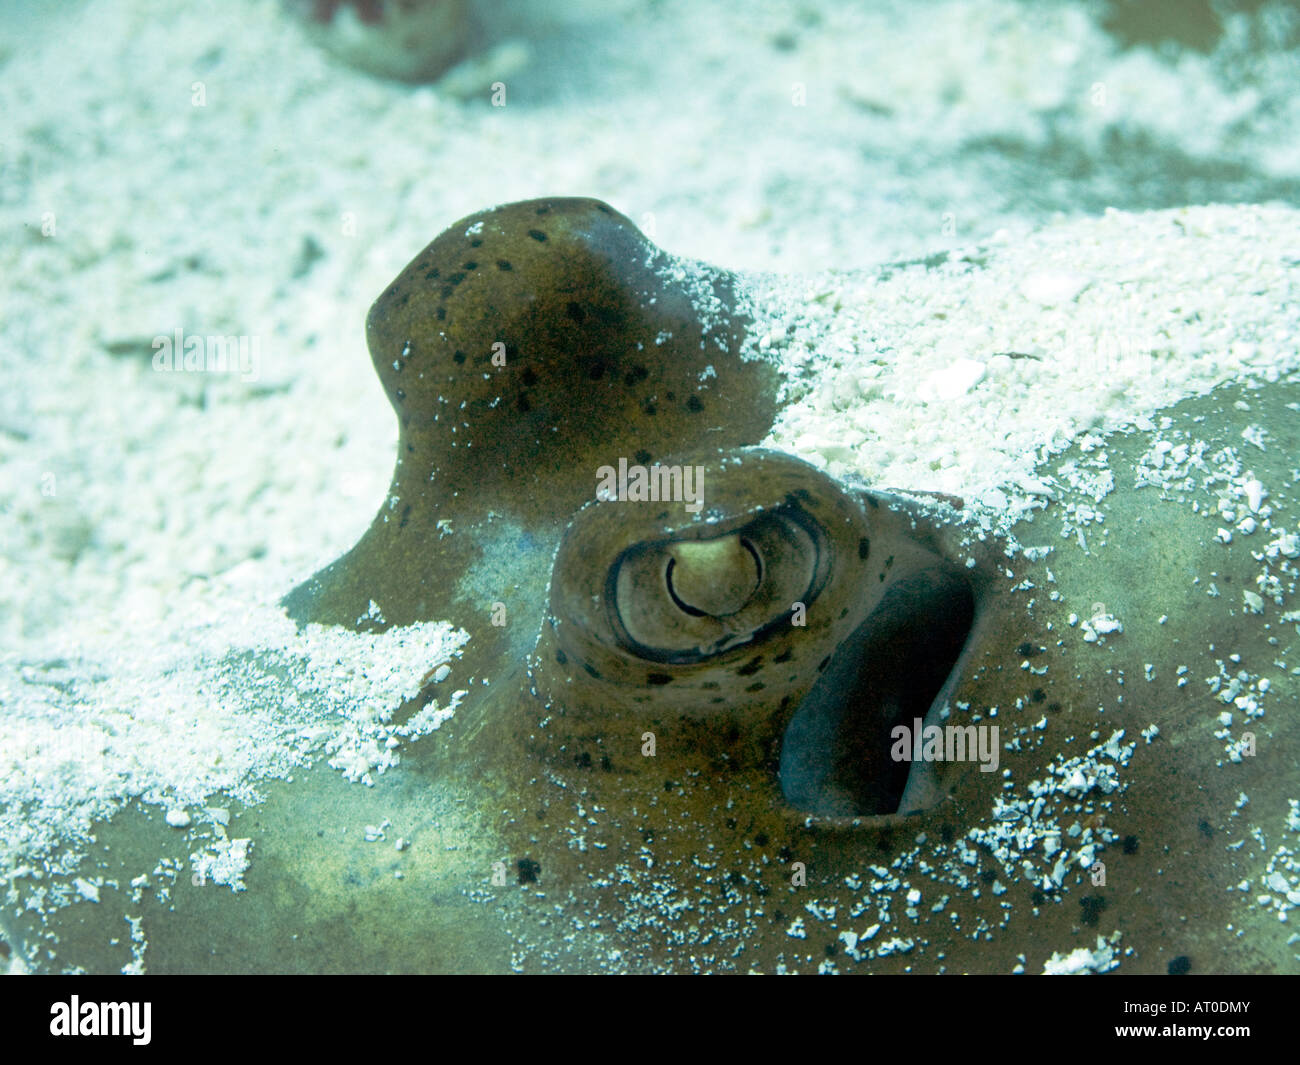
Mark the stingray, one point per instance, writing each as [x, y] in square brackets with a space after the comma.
[532, 351]
[728, 713]
[729, 729]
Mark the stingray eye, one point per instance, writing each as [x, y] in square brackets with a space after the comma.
[685, 600]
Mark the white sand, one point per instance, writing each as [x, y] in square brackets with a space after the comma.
[958, 379]
[151, 520]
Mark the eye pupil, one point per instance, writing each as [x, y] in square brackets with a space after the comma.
[713, 577]
[687, 600]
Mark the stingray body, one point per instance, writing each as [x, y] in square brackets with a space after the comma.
[780, 723]
[699, 758]
[531, 348]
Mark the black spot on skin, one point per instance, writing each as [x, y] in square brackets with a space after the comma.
[785, 854]
[475, 243]
[658, 678]
[561, 657]
[669, 785]
[785, 655]
[885, 841]
[432, 275]
[987, 876]
[1203, 827]
[751, 667]
[591, 671]
[1053, 708]
[717, 700]
[1092, 907]
[695, 404]
[504, 264]
[635, 375]
[576, 313]
[760, 840]
[529, 870]
[459, 357]
[733, 734]
[670, 396]
[528, 377]
[456, 278]
[1130, 844]
[1038, 695]
[757, 686]
[400, 395]
[946, 833]
[1180, 966]
[537, 235]
[647, 835]
[543, 210]
[522, 404]
[830, 950]
[582, 761]
[596, 369]
[649, 409]
[406, 516]
[471, 265]
[864, 548]
[447, 291]
[824, 663]
[1038, 897]
[642, 457]
[442, 314]
[605, 763]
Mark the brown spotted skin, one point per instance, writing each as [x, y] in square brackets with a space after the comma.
[605, 356]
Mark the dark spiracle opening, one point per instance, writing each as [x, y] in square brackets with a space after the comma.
[836, 755]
